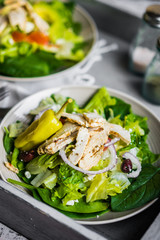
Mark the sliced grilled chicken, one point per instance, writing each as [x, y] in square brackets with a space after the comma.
[75, 118]
[18, 18]
[9, 7]
[85, 119]
[11, 167]
[93, 118]
[6, 2]
[93, 151]
[93, 160]
[60, 143]
[120, 132]
[3, 23]
[81, 142]
[39, 22]
[63, 133]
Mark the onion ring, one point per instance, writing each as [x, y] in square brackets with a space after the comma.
[111, 142]
[108, 168]
[134, 160]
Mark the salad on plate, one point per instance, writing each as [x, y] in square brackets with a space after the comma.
[42, 36]
[84, 160]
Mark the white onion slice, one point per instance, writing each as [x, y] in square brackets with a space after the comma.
[134, 160]
[108, 168]
[114, 140]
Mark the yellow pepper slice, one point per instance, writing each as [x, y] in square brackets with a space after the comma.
[38, 131]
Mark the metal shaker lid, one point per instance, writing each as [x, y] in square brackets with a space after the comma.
[152, 15]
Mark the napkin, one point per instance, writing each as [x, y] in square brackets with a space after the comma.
[10, 94]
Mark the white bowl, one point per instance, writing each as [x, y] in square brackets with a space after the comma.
[89, 33]
[81, 95]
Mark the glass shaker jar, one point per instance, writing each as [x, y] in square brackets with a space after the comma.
[143, 47]
[151, 85]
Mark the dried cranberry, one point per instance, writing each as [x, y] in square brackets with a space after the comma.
[126, 166]
[27, 156]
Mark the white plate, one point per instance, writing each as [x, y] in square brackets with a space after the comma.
[89, 33]
[81, 95]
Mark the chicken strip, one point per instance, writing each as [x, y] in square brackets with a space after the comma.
[60, 143]
[81, 142]
[93, 151]
[120, 132]
[63, 133]
[93, 118]
[3, 23]
[75, 118]
[18, 18]
[39, 22]
[85, 120]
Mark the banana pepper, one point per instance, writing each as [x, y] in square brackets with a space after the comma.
[38, 131]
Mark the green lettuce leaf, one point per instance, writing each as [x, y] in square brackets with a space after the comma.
[16, 128]
[43, 105]
[100, 100]
[138, 128]
[74, 195]
[40, 163]
[70, 177]
[120, 109]
[102, 187]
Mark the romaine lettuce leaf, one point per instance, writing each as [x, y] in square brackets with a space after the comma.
[41, 163]
[44, 104]
[138, 128]
[100, 100]
[102, 187]
[16, 128]
[120, 109]
[74, 195]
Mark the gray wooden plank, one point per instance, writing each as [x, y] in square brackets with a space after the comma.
[33, 219]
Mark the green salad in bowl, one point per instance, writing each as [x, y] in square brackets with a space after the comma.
[83, 160]
[39, 38]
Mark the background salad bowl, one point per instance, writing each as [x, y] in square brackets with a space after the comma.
[89, 34]
[81, 95]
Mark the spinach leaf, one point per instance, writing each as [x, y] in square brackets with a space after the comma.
[79, 207]
[22, 184]
[8, 142]
[83, 215]
[144, 189]
[120, 109]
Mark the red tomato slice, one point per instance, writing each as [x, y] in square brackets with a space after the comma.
[37, 37]
[18, 36]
